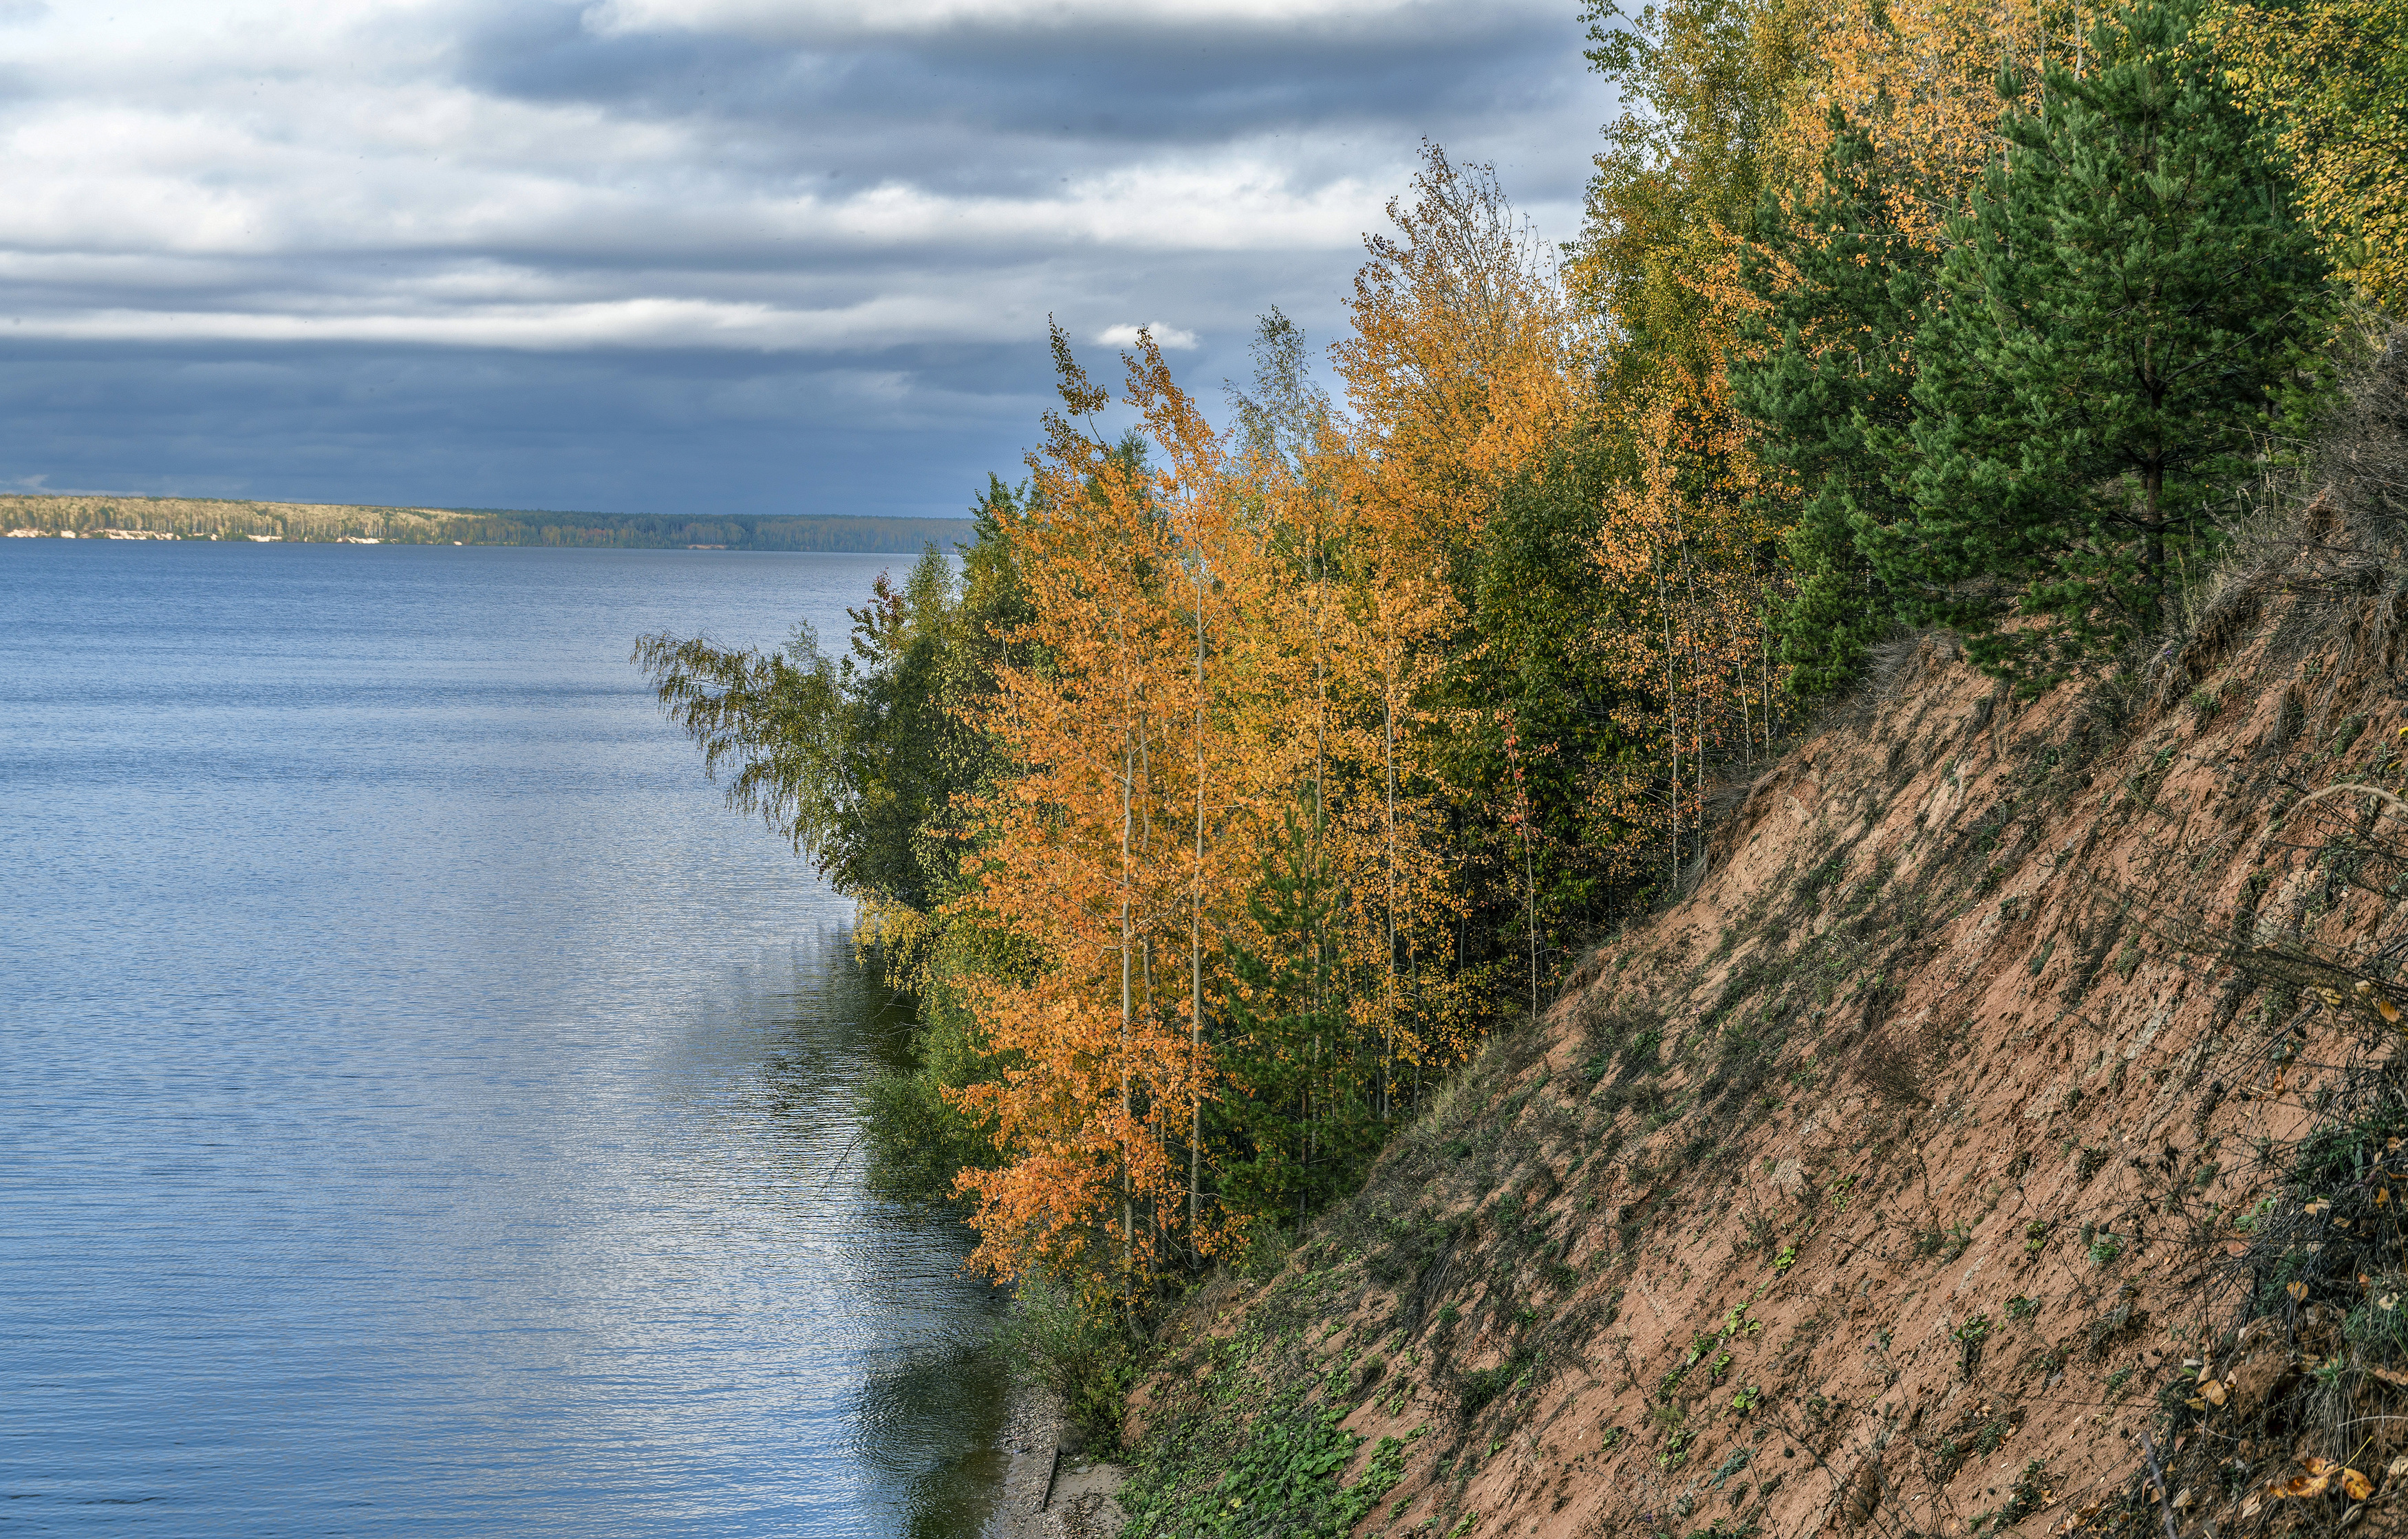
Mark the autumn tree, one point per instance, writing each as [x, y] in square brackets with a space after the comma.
[1189, 603]
[1463, 362]
[1468, 367]
[1341, 966]
[1685, 550]
[1917, 80]
[2329, 81]
[1075, 858]
[1680, 180]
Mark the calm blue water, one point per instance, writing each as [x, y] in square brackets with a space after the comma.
[423, 1109]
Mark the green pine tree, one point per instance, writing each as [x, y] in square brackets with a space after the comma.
[1831, 391]
[2131, 304]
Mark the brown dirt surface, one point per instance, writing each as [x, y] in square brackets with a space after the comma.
[1049, 1491]
[1913, 1175]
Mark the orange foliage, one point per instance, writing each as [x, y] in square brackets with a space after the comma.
[1920, 78]
[1468, 363]
[1214, 646]
[1687, 542]
[1227, 627]
[1372, 605]
[1079, 858]
[1468, 358]
[1227, 633]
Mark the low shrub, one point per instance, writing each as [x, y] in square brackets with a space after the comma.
[1055, 1339]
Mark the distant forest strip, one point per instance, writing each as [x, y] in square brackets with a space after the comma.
[199, 518]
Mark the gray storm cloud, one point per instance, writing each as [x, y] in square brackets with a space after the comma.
[672, 254]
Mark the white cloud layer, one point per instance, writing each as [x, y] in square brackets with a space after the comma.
[785, 21]
[902, 191]
[1168, 338]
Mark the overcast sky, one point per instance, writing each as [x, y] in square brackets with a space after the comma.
[693, 255]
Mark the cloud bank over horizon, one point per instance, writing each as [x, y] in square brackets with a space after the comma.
[694, 255]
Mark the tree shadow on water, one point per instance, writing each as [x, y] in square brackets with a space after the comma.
[930, 1427]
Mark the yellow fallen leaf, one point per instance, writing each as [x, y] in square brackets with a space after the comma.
[2357, 1485]
[2211, 1392]
[2306, 1488]
[2196, 1403]
[2389, 1010]
[2387, 1302]
[2297, 1290]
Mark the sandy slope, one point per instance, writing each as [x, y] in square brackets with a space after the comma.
[1935, 1186]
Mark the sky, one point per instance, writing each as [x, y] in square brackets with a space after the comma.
[694, 256]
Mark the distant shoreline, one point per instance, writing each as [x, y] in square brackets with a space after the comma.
[23, 516]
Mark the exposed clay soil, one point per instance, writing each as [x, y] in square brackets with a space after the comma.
[1887, 1182]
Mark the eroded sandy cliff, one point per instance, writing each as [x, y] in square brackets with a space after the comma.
[1936, 1166]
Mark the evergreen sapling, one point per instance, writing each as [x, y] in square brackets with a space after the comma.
[2131, 304]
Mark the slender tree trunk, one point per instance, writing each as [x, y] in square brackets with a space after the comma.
[1389, 1047]
[1696, 699]
[1672, 731]
[1145, 809]
[1764, 674]
[1320, 789]
[1129, 959]
[1148, 1003]
[1530, 891]
[1195, 952]
[2153, 582]
[1529, 867]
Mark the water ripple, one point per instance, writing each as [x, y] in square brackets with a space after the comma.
[424, 1109]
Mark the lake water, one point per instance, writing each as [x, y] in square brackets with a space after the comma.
[423, 1108]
